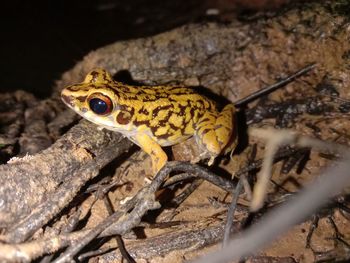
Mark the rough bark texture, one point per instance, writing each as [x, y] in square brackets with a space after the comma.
[29, 181]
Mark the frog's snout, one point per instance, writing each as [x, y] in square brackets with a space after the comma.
[67, 100]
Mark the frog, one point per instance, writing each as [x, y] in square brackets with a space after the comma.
[154, 116]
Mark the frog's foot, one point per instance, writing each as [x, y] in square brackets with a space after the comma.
[151, 147]
[216, 133]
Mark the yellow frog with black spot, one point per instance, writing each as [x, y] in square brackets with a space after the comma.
[153, 116]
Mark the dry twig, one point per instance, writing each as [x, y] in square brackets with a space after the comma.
[295, 211]
[276, 139]
[127, 217]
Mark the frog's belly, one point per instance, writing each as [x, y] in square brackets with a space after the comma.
[164, 136]
[163, 141]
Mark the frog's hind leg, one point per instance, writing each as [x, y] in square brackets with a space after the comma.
[216, 132]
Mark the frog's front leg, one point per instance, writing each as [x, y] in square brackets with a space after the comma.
[216, 132]
[158, 156]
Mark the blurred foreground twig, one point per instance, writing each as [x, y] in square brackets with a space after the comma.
[333, 181]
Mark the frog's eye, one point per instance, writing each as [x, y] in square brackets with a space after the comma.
[100, 104]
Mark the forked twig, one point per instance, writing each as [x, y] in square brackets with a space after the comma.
[127, 217]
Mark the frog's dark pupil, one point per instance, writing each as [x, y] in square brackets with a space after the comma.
[98, 106]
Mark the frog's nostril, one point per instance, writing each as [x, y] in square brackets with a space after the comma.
[67, 100]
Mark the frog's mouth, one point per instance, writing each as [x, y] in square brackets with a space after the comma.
[68, 100]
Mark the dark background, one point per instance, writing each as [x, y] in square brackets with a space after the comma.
[42, 39]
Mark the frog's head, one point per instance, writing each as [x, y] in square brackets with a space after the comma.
[95, 99]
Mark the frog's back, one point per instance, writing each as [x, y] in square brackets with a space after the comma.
[168, 114]
[163, 94]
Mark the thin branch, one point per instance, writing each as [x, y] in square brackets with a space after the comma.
[118, 238]
[231, 211]
[275, 86]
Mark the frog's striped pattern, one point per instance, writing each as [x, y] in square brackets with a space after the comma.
[155, 116]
